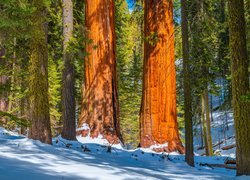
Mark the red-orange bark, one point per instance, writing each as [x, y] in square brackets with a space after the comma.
[158, 118]
[100, 101]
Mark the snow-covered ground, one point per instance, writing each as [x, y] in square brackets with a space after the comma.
[22, 158]
[222, 132]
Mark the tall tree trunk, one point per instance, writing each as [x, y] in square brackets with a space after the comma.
[204, 127]
[158, 119]
[11, 97]
[68, 86]
[3, 96]
[100, 101]
[240, 84]
[22, 112]
[208, 124]
[201, 126]
[189, 157]
[211, 108]
[3, 84]
[39, 102]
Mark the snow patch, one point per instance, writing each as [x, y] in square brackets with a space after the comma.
[83, 127]
[22, 158]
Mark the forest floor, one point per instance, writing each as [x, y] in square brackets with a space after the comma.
[22, 158]
[222, 132]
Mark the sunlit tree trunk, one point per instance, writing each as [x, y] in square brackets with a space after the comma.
[38, 68]
[68, 86]
[240, 84]
[208, 124]
[204, 127]
[100, 101]
[158, 118]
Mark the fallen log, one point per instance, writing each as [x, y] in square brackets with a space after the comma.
[214, 145]
[228, 147]
[219, 165]
[230, 161]
[217, 144]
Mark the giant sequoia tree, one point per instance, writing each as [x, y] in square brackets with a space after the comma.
[240, 84]
[100, 102]
[158, 118]
[39, 102]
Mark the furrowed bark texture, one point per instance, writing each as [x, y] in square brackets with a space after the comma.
[68, 86]
[39, 102]
[189, 154]
[240, 84]
[100, 101]
[158, 118]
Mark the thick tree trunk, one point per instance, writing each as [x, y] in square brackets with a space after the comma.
[240, 84]
[100, 101]
[158, 119]
[68, 86]
[189, 157]
[39, 102]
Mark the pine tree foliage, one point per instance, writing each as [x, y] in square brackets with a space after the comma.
[129, 62]
[55, 64]
[14, 36]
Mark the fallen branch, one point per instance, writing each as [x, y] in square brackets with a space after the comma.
[221, 142]
[217, 144]
[228, 147]
[219, 165]
[230, 161]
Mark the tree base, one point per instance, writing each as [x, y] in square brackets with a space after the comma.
[172, 146]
